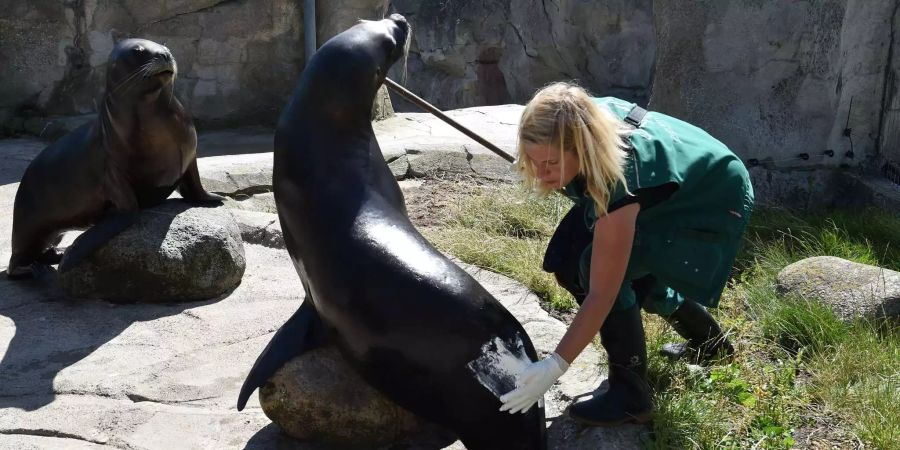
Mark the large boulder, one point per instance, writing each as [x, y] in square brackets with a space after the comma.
[852, 290]
[175, 252]
[318, 397]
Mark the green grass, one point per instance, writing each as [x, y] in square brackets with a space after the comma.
[801, 377]
[505, 231]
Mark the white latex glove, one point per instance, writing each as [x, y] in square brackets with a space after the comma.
[533, 382]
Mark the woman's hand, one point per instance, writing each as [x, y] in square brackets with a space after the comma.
[532, 383]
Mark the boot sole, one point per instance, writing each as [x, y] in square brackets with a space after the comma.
[638, 419]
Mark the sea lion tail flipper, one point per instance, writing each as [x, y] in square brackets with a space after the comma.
[94, 238]
[192, 190]
[301, 332]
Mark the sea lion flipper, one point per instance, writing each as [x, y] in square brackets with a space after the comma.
[94, 238]
[192, 190]
[301, 332]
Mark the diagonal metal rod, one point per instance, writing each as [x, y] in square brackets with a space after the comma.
[440, 115]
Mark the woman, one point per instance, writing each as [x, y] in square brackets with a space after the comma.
[660, 208]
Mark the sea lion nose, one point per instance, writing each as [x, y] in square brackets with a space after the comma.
[400, 21]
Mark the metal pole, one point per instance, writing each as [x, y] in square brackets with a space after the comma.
[428, 107]
[309, 28]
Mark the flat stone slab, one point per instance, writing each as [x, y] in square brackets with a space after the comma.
[413, 144]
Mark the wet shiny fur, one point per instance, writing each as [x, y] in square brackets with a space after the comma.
[407, 319]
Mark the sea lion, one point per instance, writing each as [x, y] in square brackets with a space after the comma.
[412, 323]
[140, 148]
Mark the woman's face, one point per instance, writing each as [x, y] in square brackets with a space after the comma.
[554, 171]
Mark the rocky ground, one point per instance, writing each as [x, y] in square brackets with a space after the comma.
[93, 374]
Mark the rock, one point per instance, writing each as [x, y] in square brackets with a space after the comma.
[317, 396]
[381, 107]
[175, 252]
[235, 141]
[418, 144]
[852, 290]
[261, 228]
[237, 174]
[264, 202]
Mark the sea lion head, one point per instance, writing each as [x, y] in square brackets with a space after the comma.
[347, 71]
[141, 70]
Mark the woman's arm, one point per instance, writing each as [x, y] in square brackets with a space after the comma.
[611, 249]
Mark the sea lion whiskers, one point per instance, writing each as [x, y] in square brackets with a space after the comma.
[135, 75]
[406, 46]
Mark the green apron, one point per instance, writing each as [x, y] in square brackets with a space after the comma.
[689, 241]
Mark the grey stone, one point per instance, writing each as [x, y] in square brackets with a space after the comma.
[436, 158]
[261, 228]
[174, 252]
[237, 174]
[318, 397]
[264, 202]
[852, 290]
[235, 141]
[416, 144]
[381, 107]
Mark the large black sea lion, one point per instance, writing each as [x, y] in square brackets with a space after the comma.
[413, 324]
[142, 147]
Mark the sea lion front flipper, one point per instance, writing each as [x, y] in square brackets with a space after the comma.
[91, 240]
[192, 190]
[303, 331]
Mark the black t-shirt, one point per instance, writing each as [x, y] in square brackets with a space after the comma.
[647, 197]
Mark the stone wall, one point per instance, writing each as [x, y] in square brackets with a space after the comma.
[467, 53]
[785, 84]
[772, 79]
[238, 60]
[777, 80]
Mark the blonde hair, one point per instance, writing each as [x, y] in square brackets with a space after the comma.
[564, 115]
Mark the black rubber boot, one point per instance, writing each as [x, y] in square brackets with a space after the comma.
[628, 398]
[705, 339]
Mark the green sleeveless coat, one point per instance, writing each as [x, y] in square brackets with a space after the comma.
[689, 240]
